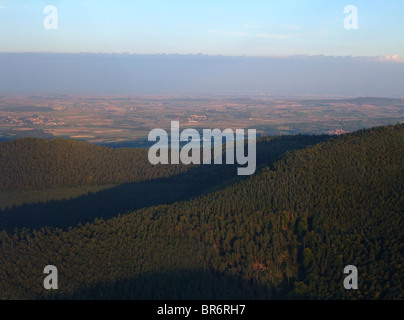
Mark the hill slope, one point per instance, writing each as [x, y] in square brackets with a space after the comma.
[287, 231]
[32, 164]
[63, 182]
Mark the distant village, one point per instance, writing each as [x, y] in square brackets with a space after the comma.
[31, 120]
[337, 132]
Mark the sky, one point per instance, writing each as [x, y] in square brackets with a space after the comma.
[288, 47]
[95, 73]
[231, 28]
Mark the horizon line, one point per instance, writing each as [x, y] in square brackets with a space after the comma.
[203, 54]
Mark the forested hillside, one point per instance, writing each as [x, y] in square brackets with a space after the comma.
[122, 180]
[286, 232]
[32, 163]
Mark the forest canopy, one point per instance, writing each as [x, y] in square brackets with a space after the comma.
[286, 232]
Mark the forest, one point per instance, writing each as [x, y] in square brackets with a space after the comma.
[117, 227]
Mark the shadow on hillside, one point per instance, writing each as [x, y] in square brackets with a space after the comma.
[173, 285]
[116, 200]
[129, 197]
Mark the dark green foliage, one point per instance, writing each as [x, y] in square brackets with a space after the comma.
[286, 232]
[61, 207]
[30, 164]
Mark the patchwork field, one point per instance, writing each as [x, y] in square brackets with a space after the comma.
[112, 119]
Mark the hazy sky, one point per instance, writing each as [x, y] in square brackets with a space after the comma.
[199, 74]
[292, 47]
[254, 28]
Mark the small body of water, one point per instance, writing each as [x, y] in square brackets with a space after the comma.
[144, 143]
